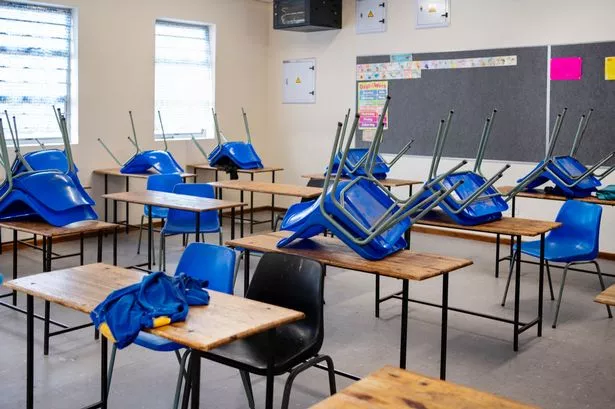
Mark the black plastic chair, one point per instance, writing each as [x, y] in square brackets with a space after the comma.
[292, 282]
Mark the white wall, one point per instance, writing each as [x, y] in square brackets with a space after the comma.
[303, 134]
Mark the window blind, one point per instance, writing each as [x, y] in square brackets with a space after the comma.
[184, 86]
[35, 55]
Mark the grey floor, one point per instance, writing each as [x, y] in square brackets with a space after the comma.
[570, 367]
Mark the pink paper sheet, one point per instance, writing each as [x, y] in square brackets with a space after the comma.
[566, 69]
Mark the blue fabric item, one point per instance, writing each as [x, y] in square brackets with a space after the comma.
[380, 171]
[572, 168]
[608, 193]
[161, 183]
[366, 202]
[161, 161]
[576, 240]
[241, 154]
[52, 195]
[183, 221]
[128, 310]
[480, 211]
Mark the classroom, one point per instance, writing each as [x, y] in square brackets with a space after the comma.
[328, 204]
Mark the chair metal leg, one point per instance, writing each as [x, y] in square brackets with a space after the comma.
[595, 263]
[561, 293]
[110, 370]
[180, 376]
[140, 235]
[247, 386]
[220, 241]
[241, 256]
[162, 253]
[306, 365]
[549, 278]
[510, 272]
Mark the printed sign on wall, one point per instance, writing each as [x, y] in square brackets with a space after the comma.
[372, 96]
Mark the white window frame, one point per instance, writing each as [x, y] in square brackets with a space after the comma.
[70, 109]
[170, 136]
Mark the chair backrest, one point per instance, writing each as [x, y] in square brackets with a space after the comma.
[293, 282]
[210, 262]
[163, 182]
[209, 220]
[580, 222]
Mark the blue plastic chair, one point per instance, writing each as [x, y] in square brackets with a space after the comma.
[241, 154]
[158, 183]
[184, 222]
[575, 242]
[210, 262]
[161, 161]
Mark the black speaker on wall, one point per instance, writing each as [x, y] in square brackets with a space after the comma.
[307, 15]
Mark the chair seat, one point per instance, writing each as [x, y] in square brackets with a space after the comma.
[156, 343]
[157, 212]
[252, 353]
[172, 228]
[560, 251]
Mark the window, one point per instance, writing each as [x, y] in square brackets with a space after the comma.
[35, 68]
[184, 80]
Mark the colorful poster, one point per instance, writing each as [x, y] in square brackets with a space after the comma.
[566, 69]
[609, 68]
[388, 71]
[371, 98]
[482, 62]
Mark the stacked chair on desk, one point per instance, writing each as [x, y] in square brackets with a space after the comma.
[144, 161]
[49, 190]
[362, 212]
[571, 177]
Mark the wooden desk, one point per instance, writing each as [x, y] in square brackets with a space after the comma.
[48, 233]
[280, 189]
[115, 172]
[174, 201]
[606, 297]
[224, 320]
[405, 265]
[516, 228]
[388, 182]
[393, 388]
[252, 173]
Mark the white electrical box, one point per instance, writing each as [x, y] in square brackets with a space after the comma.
[299, 86]
[433, 13]
[371, 16]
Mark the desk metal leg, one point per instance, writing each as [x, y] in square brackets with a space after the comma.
[103, 372]
[497, 255]
[47, 244]
[444, 335]
[272, 202]
[150, 240]
[517, 294]
[15, 249]
[241, 214]
[270, 365]
[404, 325]
[195, 377]
[81, 249]
[115, 246]
[541, 282]
[127, 204]
[252, 206]
[30, 353]
[246, 271]
[198, 227]
[99, 247]
[233, 223]
[377, 306]
[106, 200]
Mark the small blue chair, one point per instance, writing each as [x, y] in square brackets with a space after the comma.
[203, 261]
[158, 183]
[575, 242]
[184, 222]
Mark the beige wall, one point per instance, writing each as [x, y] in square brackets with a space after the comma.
[303, 134]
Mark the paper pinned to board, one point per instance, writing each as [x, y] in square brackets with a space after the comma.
[609, 68]
[372, 96]
[566, 68]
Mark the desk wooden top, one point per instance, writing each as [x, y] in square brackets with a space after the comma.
[394, 388]
[280, 189]
[172, 200]
[116, 172]
[405, 264]
[206, 166]
[388, 182]
[509, 226]
[224, 320]
[45, 229]
[607, 296]
[541, 194]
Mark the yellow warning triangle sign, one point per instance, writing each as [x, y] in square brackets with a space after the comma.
[370, 14]
[298, 80]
